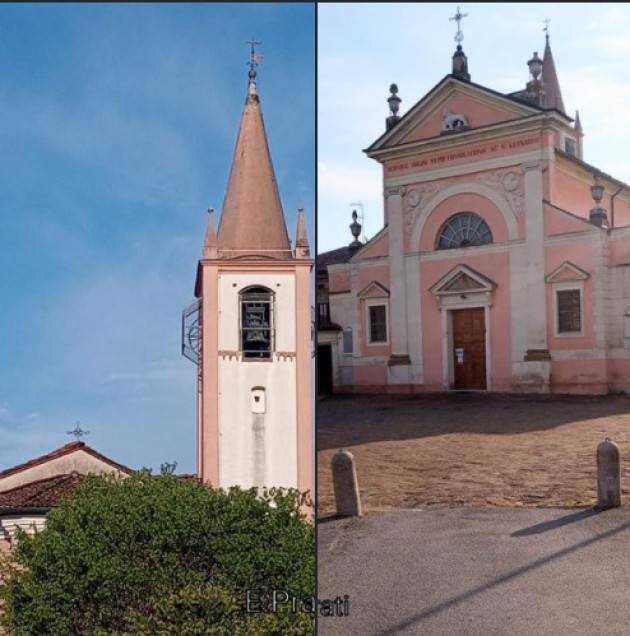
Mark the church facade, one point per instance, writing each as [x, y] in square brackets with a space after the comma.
[249, 332]
[503, 263]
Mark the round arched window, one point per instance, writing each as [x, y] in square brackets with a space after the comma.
[464, 230]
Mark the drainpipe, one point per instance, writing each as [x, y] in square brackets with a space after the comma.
[612, 206]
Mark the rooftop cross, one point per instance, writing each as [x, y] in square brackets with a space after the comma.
[77, 431]
[546, 22]
[458, 17]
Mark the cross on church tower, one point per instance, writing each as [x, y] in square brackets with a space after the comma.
[254, 58]
[78, 432]
[458, 17]
[546, 22]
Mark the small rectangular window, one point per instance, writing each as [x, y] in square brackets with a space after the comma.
[347, 341]
[378, 323]
[570, 146]
[569, 311]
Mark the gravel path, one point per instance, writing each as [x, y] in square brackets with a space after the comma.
[471, 449]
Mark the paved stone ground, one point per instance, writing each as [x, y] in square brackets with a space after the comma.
[472, 571]
[471, 449]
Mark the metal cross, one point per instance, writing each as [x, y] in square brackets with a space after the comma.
[546, 22]
[77, 431]
[253, 58]
[458, 17]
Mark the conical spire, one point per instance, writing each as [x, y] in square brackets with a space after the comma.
[252, 223]
[553, 96]
[577, 124]
[302, 249]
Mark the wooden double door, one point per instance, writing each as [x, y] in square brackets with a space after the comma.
[469, 348]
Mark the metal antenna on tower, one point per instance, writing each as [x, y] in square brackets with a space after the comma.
[361, 216]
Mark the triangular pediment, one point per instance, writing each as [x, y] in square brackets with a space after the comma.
[566, 272]
[374, 290]
[462, 279]
[480, 106]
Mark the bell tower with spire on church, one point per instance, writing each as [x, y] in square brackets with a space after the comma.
[250, 329]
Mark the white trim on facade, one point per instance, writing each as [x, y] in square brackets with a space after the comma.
[568, 286]
[380, 302]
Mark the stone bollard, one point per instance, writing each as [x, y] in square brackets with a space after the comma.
[608, 475]
[345, 485]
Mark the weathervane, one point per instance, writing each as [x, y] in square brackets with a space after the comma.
[254, 58]
[78, 432]
[458, 17]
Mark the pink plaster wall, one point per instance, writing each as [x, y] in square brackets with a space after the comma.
[571, 192]
[557, 222]
[339, 281]
[371, 374]
[463, 203]
[376, 248]
[478, 113]
[619, 251]
[583, 376]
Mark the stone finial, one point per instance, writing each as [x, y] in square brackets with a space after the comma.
[394, 105]
[460, 64]
[535, 87]
[597, 215]
[608, 475]
[460, 61]
[345, 485]
[302, 249]
[577, 124]
[355, 229]
[210, 239]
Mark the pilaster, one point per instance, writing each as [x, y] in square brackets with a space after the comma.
[398, 371]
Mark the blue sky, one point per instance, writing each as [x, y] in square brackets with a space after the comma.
[412, 45]
[117, 125]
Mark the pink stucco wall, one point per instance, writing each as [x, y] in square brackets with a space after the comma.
[462, 203]
[478, 113]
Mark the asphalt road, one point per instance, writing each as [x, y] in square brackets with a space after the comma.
[478, 572]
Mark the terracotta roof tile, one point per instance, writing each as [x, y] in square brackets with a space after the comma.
[44, 493]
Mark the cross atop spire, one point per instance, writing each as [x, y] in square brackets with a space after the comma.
[546, 22]
[254, 60]
[458, 17]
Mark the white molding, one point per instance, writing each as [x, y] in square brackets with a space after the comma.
[485, 284]
[575, 272]
[567, 286]
[373, 289]
[462, 169]
[376, 303]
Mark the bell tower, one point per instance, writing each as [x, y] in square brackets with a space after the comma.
[249, 331]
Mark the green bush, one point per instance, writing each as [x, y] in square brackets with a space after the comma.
[161, 555]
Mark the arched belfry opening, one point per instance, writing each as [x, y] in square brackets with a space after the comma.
[256, 322]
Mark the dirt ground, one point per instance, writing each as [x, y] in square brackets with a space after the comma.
[472, 449]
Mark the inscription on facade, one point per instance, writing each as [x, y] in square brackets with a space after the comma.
[437, 161]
